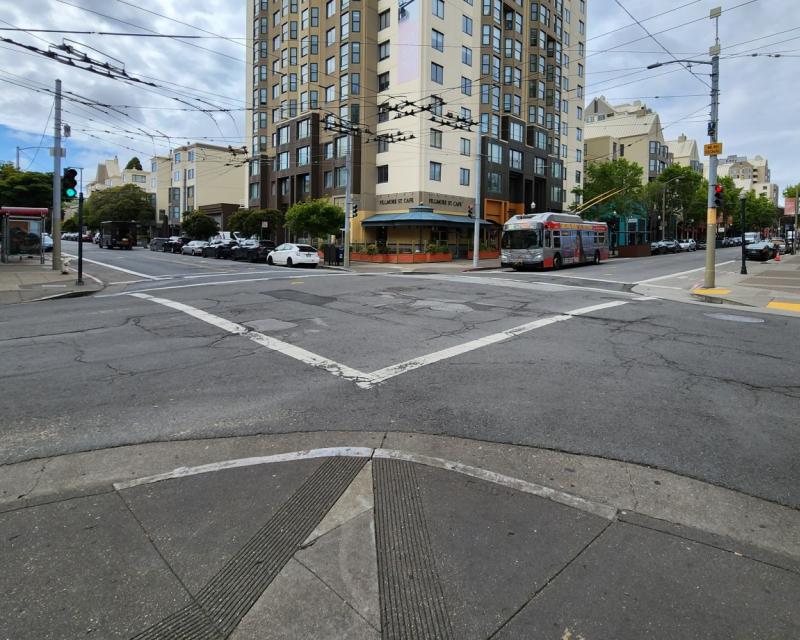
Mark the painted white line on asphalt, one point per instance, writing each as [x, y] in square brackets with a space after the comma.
[362, 379]
[184, 472]
[596, 508]
[680, 273]
[222, 282]
[571, 277]
[307, 357]
[111, 266]
[87, 275]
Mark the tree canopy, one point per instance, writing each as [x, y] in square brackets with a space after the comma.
[134, 163]
[316, 218]
[199, 226]
[25, 188]
[248, 221]
[120, 204]
[604, 177]
[791, 190]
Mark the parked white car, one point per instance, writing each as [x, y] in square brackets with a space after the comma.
[194, 248]
[47, 242]
[688, 245]
[294, 254]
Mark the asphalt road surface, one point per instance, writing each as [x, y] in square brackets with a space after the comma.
[571, 361]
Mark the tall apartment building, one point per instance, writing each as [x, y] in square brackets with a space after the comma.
[411, 68]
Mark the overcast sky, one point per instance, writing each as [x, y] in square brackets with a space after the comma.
[758, 111]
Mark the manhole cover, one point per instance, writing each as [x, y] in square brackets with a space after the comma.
[732, 318]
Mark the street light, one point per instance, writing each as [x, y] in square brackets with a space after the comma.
[742, 201]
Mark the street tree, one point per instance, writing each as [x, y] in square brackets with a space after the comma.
[604, 177]
[249, 221]
[791, 190]
[759, 212]
[119, 204]
[133, 164]
[25, 188]
[69, 225]
[199, 226]
[315, 218]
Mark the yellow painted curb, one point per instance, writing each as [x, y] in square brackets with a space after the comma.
[786, 306]
[711, 292]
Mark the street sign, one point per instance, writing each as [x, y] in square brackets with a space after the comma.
[712, 149]
[264, 224]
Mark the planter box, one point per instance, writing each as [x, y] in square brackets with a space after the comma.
[360, 257]
[488, 254]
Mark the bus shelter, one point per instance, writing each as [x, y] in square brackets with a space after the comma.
[21, 231]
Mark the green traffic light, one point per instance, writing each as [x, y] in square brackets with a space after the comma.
[71, 193]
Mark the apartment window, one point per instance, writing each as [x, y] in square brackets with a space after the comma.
[282, 161]
[355, 52]
[436, 139]
[493, 181]
[579, 135]
[303, 129]
[578, 177]
[327, 180]
[516, 131]
[464, 146]
[383, 50]
[580, 70]
[282, 136]
[466, 86]
[515, 159]
[466, 25]
[581, 27]
[330, 8]
[355, 21]
[578, 155]
[495, 153]
[303, 156]
[437, 40]
[436, 105]
[435, 171]
[314, 45]
[438, 8]
[383, 173]
[383, 113]
[330, 66]
[327, 150]
[330, 36]
[190, 156]
[383, 145]
[345, 25]
[384, 19]
[621, 149]
[177, 157]
[579, 112]
[463, 177]
[330, 93]
[254, 191]
[340, 175]
[437, 73]
[344, 56]
[466, 56]
[383, 81]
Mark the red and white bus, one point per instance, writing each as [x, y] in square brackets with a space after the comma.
[552, 240]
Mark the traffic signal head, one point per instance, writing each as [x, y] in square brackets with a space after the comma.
[718, 196]
[70, 183]
[355, 210]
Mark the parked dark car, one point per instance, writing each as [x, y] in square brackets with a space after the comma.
[242, 250]
[655, 248]
[701, 245]
[175, 244]
[219, 248]
[670, 246]
[157, 244]
[760, 251]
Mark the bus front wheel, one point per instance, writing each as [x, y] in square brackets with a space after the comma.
[557, 261]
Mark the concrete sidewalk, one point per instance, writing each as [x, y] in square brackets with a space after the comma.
[28, 280]
[454, 266]
[772, 286]
[384, 535]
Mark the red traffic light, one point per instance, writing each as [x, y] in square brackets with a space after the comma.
[718, 188]
[718, 196]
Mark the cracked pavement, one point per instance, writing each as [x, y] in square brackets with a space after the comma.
[652, 382]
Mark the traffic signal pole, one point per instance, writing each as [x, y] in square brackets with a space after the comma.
[55, 227]
[709, 279]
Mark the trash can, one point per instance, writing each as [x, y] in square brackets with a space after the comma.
[339, 255]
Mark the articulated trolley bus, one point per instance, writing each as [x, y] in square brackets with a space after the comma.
[552, 240]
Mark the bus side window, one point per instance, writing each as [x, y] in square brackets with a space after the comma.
[556, 239]
[547, 238]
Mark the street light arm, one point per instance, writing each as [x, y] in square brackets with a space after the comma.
[655, 65]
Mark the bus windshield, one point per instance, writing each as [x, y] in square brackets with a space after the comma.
[521, 239]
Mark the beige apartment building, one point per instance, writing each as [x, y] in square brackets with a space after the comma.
[630, 131]
[685, 153]
[197, 176]
[452, 104]
[751, 174]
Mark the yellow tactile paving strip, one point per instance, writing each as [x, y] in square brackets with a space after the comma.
[785, 306]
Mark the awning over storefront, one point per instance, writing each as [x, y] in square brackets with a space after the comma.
[418, 217]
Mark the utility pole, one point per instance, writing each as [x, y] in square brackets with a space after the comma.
[476, 210]
[348, 198]
[713, 131]
[742, 201]
[796, 211]
[17, 158]
[55, 227]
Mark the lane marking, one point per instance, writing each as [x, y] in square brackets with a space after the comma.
[111, 266]
[571, 500]
[681, 273]
[218, 283]
[363, 379]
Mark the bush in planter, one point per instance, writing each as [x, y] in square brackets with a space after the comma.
[372, 249]
[383, 249]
